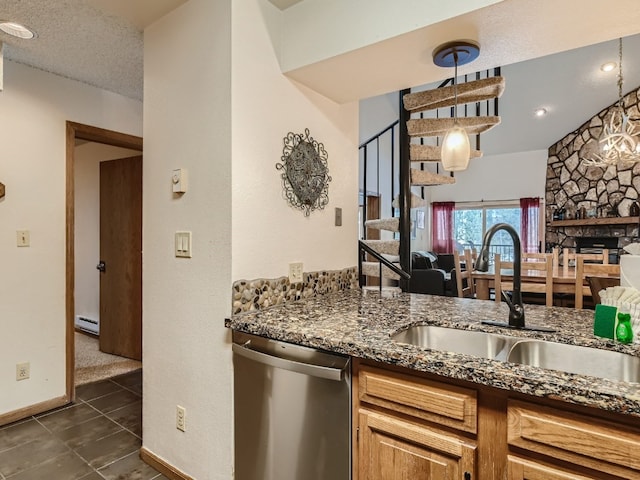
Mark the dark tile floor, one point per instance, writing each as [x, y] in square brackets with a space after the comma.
[98, 437]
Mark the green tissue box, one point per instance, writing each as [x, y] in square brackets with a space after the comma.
[604, 323]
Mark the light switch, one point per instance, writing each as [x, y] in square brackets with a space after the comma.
[23, 238]
[183, 244]
[179, 180]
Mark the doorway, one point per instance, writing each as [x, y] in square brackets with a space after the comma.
[82, 134]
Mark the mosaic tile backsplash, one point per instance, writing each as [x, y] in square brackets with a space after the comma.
[261, 293]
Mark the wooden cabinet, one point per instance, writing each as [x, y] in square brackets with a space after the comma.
[407, 428]
[409, 425]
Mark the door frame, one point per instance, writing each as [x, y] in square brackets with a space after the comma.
[77, 131]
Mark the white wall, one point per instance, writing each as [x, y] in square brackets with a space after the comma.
[87, 159]
[358, 23]
[267, 232]
[35, 106]
[189, 123]
[498, 177]
[186, 353]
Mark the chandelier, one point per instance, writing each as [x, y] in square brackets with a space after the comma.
[619, 143]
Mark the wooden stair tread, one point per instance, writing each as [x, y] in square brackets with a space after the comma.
[372, 269]
[468, 92]
[416, 201]
[431, 153]
[387, 247]
[426, 178]
[434, 127]
[391, 224]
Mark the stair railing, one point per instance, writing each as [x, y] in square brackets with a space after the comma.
[364, 147]
[364, 248]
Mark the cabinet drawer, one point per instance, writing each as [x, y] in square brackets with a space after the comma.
[437, 402]
[580, 439]
[521, 469]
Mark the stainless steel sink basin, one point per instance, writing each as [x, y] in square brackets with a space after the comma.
[576, 359]
[537, 353]
[479, 344]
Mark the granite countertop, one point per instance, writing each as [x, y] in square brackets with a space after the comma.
[360, 324]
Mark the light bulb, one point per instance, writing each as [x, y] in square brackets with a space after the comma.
[456, 149]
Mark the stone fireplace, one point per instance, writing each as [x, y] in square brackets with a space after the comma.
[606, 193]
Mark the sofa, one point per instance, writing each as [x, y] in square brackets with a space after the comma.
[431, 273]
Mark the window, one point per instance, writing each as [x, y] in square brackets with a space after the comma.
[472, 220]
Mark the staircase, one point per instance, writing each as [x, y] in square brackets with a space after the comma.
[425, 117]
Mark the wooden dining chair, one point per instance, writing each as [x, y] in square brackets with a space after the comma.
[541, 262]
[584, 269]
[570, 257]
[555, 259]
[464, 281]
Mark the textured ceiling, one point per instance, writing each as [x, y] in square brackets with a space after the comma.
[99, 42]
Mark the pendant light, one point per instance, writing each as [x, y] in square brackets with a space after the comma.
[619, 143]
[456, 149]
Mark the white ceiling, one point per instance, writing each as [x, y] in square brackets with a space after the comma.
[100, 42]
[569, 85]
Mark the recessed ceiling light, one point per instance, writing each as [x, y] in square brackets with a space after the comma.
[17, 30]
[607, 67]
[540, 112]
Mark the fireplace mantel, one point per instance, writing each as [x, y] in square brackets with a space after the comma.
[595, 221]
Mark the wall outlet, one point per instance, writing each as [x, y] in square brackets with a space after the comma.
[295, 272]
[181, 418]
[23, 371]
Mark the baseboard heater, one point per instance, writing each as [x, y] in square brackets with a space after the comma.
[87, 324]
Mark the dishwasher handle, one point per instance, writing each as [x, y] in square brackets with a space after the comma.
[319, 371]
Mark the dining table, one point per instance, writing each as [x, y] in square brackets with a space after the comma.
[563, 281]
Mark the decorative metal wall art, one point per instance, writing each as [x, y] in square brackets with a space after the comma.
[305, 174]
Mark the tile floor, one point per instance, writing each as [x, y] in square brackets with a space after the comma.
[98, 437]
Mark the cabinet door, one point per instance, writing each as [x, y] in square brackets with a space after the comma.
[394, 449]
[520, 469]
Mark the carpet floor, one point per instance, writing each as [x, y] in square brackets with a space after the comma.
[93, 365]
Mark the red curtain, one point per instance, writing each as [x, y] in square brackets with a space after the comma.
[442, 229]
[529, 221]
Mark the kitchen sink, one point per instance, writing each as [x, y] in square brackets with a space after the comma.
[479, 344]
[576, 359]
[537, 353]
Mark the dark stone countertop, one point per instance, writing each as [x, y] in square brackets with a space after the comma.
[360, 324]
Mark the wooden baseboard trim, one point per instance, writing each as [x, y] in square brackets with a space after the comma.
[163, 467]
[21, 414]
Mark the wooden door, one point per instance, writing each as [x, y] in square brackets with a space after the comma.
[121, 254]
[394, 449]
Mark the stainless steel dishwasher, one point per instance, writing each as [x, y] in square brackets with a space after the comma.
[292, 411]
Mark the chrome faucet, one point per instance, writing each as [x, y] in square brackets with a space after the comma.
[516, 309]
